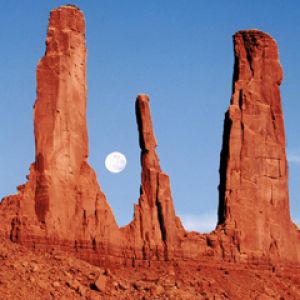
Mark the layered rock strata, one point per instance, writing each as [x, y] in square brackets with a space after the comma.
[62, 205]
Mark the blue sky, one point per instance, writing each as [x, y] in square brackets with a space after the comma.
[178, 52]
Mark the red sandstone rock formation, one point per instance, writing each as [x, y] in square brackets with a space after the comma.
[62, 206]
[155, 227]
[67, 195]
[62, 199]
[254, 200]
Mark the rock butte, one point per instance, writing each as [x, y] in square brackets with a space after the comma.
[61, 205]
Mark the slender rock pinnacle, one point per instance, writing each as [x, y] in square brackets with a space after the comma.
[155, 224]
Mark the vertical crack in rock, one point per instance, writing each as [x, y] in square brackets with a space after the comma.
[223, 167]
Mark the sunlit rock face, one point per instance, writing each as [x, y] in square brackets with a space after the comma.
[61, 205]
[254, 199]
[68, 199]
[62, 199]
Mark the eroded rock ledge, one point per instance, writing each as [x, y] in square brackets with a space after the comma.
[62, 206]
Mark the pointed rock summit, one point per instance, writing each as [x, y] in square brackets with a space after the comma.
[155, 226]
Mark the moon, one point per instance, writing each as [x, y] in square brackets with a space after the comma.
[115, 162]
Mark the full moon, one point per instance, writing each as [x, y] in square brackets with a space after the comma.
[115, 162]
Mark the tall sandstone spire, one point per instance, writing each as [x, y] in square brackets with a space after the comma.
[62, 199]
[155, 226]
[67, 193]
[254, 199]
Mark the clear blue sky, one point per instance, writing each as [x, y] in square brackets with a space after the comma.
[180, 53]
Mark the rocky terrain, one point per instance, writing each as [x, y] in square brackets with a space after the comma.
[51, 274]
[60, 217]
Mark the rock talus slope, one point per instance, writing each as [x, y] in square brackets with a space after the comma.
[62, 206]
[36, 275]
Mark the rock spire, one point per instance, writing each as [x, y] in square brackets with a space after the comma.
[62, 199]
[254, 199]
[155, 225]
